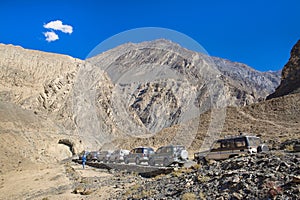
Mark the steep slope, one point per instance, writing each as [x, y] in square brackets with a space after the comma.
[36, 80]
[161, 84]
[275, 120]
[290, 81]
[34, 88]
[48, 85]
[154, 85]
[27, 139]
[249, 85]
[246, 84]
[47, 97]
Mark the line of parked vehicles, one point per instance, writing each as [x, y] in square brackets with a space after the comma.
[165, 156]
[177, 154]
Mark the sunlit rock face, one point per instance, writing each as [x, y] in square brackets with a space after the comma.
[160, 84]
[133, 89]
[290, 80]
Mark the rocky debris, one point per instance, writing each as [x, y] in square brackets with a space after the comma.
[116, 182]
[290, 82]
[289, 144]
[262, 176]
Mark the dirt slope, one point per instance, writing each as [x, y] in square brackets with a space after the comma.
[275, 120]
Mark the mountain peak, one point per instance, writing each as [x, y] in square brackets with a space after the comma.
[290, 82]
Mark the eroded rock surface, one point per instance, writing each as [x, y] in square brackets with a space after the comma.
[290, 80]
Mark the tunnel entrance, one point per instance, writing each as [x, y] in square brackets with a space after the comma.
[68, 143]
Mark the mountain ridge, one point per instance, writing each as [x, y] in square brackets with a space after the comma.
[290, 82]
[51, 94]
[49, 99]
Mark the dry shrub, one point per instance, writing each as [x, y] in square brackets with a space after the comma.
[188, 196]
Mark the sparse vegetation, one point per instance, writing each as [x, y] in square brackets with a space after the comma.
[197, 166]
[289, 148]
[181, 171]
[201, 195]
[133, 190]
[160, 176]
[189, 196]
[203, 179]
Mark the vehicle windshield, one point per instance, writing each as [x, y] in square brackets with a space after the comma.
[178, 148]
[240, 142]
[216, 146]
[254, 141]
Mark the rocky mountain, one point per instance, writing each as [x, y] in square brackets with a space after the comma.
[161, 84]
[290, 82]
[34, 88]
[154, 93]
[275, 121]
[250, 85]
[46, 84]
[150, 86]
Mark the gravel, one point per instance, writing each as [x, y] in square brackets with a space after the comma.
[274, 175]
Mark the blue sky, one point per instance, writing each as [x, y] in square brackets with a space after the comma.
[258, 33]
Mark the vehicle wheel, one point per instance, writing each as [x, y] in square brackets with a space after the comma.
[262, 148]
[151, 162]
[184, 154]
[166, 162]
[137, 161]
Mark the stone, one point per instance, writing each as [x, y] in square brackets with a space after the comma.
[296, 179]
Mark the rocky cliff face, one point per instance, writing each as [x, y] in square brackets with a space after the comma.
[48, 98]
[58, 88]
[34, 88]
[160, 84]
[246, 84]
[39, 88]
[150, 86]
[290, 81]
[36, 80]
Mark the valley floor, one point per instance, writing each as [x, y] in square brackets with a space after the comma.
[275, 175]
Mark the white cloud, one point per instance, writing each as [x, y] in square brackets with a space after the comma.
[59, 26]
[51, 36]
